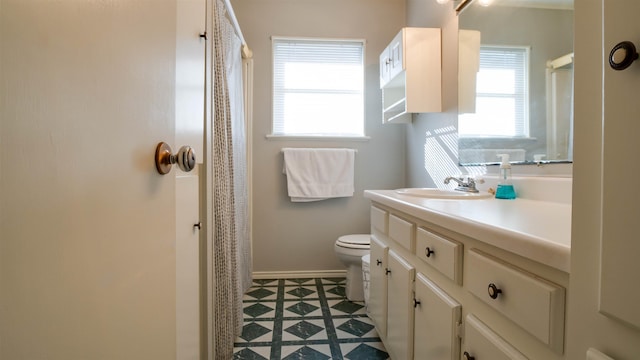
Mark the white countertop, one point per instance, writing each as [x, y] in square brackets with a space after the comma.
[537, 230]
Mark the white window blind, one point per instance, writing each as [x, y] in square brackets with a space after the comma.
[502, 95]
[318, 87]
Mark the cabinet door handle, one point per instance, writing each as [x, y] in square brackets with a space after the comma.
[387, 271]
[622, 55]
[428, 251]
[378, 262]
[416, 302]
[468, 356]
[494, 291]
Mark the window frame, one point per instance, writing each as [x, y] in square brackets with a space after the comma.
[526, 133]
[316, 136]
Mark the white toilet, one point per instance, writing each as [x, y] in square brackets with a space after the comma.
[350, 250]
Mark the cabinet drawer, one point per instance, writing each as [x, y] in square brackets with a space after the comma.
[443, 254]
[379, 220]
[482, 343]
[401, 231]
[533, 303]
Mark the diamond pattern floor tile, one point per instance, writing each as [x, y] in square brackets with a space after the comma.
[300, 292]
[304, 319]
[305, 281]
[303, 308]
[257, 310]
[339, 291]
[260, 293]
[346, 307]
[265, 282]
[248, 354]
[307, 353]
[366, 351]
[355, 327]
[302, 329]
[253, 331]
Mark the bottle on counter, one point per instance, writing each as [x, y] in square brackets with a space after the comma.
[505, 188]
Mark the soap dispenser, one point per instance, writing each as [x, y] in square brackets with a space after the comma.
[505, 188]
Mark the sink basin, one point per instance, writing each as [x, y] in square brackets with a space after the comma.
[434, 193]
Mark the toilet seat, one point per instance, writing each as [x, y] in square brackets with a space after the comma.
[358, 241]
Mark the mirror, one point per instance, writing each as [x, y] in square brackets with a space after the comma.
[515, 81]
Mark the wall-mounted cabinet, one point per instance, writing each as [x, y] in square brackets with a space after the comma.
[411, 74]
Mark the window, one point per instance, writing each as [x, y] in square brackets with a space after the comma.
[502, 95]
[318, 87]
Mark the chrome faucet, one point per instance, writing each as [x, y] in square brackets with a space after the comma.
[467, 186]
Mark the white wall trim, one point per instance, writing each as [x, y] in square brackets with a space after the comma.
[298, 274]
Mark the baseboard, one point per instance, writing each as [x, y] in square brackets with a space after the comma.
[299, 274]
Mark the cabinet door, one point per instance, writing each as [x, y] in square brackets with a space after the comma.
[619, 296]
[385, 65]
[400, 277]
[378, 285]
[481, 343]
[436, 317]
[396, 49]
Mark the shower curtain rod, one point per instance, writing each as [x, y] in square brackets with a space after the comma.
[246, 52]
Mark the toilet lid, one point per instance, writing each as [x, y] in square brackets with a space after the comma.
[358, 241]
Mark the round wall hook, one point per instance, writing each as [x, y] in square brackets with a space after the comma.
[185, 158]
[622, 55]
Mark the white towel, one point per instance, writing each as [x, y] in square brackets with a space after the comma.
[318, 174]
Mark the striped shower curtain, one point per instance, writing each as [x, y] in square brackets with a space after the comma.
[231, 248]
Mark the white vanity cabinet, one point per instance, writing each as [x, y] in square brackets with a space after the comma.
[411, 74]
[447, 296]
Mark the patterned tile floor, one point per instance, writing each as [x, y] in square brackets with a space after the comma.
[305, 319]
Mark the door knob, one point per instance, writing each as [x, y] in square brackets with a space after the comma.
[622, 55]
[185, 158]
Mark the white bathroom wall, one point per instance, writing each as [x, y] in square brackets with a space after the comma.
[299, 236]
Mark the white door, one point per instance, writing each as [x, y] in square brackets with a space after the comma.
[619, 293]
[87, 242]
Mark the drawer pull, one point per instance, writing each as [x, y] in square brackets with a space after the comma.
[494, 291]
[387, 271]
[378, 262]
[468, 356]
[416, 302]
[428, 251]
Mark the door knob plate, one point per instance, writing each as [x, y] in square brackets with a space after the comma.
[163, 158]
